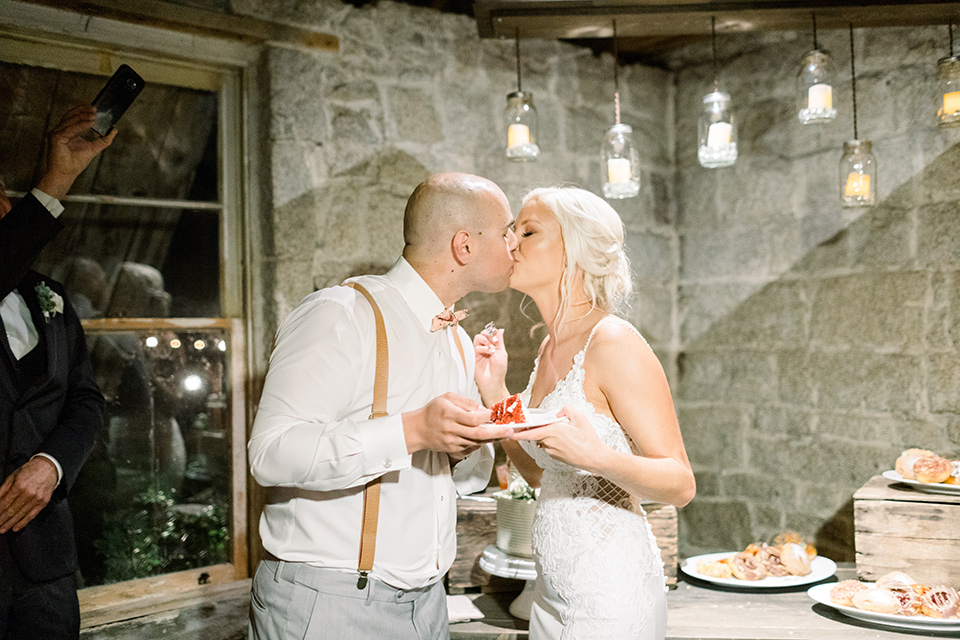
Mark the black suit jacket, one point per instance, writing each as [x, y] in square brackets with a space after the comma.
[23, 233]
[59, 414]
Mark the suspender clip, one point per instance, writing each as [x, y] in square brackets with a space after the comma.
[362, 582]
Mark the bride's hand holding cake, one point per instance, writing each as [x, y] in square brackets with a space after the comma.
[572, 440]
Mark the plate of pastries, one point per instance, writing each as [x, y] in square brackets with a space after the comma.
[895, 599]
[924, 470]
[790, 561]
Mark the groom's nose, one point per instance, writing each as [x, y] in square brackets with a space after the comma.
[512, 241]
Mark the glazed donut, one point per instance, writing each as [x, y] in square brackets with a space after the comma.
[795, 559]
[714, 569]
[788, 536]
[895, 576]
[932, 469]
[907, 460]
[877, 600]
[844, 591]
[746, 567]
[940, 602]
[909, 600]
[770, 561]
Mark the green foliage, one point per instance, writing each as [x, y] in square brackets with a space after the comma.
[154, 536]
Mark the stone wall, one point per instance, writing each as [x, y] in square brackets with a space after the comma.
[412, 92]
[816, 342]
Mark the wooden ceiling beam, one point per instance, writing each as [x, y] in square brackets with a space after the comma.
[589, 19]
[198, 21]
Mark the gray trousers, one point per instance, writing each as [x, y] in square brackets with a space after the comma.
[295, 601]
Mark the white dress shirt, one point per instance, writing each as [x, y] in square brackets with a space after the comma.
[314, 446]
[21, 332]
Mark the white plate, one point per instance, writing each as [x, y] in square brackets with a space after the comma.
[929, 487]
[821, 593]
[535, 418]
[820, 569]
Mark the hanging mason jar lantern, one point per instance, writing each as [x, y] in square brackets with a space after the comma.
[948, 92]
[858, 174]
[620, 163]
[948, 87]
[520, 117]
[718, 132]
[815, 88]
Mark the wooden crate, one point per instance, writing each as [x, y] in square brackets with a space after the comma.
[898, 528]
[477, 528]
[663, 521]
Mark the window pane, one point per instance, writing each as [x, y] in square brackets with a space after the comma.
[155, 494]
[129, 262]
[166, 146]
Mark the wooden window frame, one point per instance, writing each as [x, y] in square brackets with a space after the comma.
[48, 37]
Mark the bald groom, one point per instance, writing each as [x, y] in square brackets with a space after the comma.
[314, 447]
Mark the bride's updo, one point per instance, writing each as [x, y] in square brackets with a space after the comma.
[593, 246]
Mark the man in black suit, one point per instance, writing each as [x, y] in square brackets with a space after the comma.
[50, 406]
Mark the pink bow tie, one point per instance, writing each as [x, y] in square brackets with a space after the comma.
[447, 318]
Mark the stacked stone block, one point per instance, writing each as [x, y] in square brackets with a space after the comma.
[815, 342]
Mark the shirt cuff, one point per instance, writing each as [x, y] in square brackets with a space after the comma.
[53, 206]
[383, 441]
[472, 474]
[55, 463]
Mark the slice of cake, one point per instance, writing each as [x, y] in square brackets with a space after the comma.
[508, 411]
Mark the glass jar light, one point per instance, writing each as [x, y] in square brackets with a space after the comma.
[521, 119]
[858, 174]
[718, 132]
[948, 92]
[620, 163]
[815, 88]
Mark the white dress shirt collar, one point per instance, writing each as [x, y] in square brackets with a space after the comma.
[22, 334]
[416, 293]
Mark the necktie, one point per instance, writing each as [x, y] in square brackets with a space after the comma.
[446, 318]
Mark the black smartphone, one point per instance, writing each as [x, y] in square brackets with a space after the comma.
[115, 98]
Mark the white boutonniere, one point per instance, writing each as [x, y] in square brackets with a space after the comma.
[51, 302]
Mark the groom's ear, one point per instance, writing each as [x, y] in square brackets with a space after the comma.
[462, 247]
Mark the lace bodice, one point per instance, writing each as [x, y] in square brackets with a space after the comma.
[590, 536]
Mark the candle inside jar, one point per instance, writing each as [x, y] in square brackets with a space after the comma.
[858, 184]
[719, 134]
[618, 170]
[518, 135]
[951, 103]
[820, 96]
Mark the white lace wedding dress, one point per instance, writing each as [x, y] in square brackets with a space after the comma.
[599, 569]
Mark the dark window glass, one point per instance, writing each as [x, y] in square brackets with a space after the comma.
[154, 495]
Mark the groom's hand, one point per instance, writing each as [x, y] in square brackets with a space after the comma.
[452, 424]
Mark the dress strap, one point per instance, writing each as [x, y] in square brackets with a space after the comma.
[594, 330]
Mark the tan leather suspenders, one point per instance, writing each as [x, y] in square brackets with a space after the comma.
[371, 492]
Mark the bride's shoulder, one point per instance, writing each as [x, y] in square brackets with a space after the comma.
[615, 339]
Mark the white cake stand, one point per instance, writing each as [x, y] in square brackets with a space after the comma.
[499, 563]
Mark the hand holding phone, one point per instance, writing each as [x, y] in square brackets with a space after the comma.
[115, 98]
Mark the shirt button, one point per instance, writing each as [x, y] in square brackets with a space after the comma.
[399, 594]
[439, 354]
[387, 463]
[441, 498]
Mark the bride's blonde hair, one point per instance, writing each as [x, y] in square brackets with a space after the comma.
[592, 235]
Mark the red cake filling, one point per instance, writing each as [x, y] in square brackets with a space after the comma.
[507, 411]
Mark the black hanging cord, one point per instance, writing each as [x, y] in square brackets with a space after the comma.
[519, 86]
[816, 47]
[853, 81]
[616, 75]
[713, 42]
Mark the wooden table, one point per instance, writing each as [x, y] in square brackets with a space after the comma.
[700, 611]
